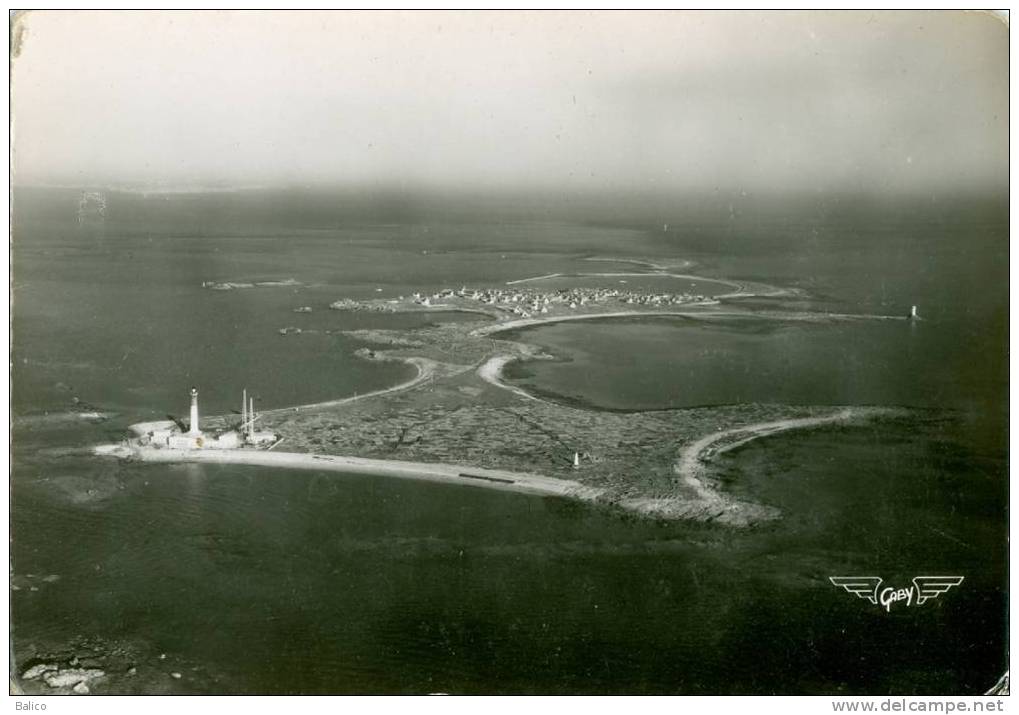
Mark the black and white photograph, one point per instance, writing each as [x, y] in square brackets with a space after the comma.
[517, 352]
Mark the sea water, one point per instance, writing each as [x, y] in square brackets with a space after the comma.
[252, 580]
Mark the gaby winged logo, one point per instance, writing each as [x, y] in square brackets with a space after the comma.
[869, 588]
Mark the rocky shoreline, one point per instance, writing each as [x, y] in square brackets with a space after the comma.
[97, 665]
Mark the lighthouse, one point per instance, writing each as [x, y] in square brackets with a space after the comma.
[194, 431]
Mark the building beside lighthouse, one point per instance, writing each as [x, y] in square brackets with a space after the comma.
[246, 431]
[170, 434]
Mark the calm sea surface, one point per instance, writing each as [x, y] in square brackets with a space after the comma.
[268, 581]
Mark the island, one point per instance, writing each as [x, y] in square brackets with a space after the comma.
[457, 421]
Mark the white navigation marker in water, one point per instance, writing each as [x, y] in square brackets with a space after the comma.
[913, 315]
[576, 460]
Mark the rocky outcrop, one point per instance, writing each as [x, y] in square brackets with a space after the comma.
[70, 674]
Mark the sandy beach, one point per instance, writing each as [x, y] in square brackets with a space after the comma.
[423, 471]
[491, 372]
[489, 330]
[713, 505]
[692, 459]
[696, 499]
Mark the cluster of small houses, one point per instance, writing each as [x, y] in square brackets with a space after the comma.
[351, 304]
[528, 302]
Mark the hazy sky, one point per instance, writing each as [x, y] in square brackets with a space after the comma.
[884, 102]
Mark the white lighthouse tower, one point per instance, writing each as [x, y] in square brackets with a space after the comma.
[193, 424]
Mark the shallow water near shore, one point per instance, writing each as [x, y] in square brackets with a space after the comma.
[252, 580]
[656, 363]
[354, 584]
